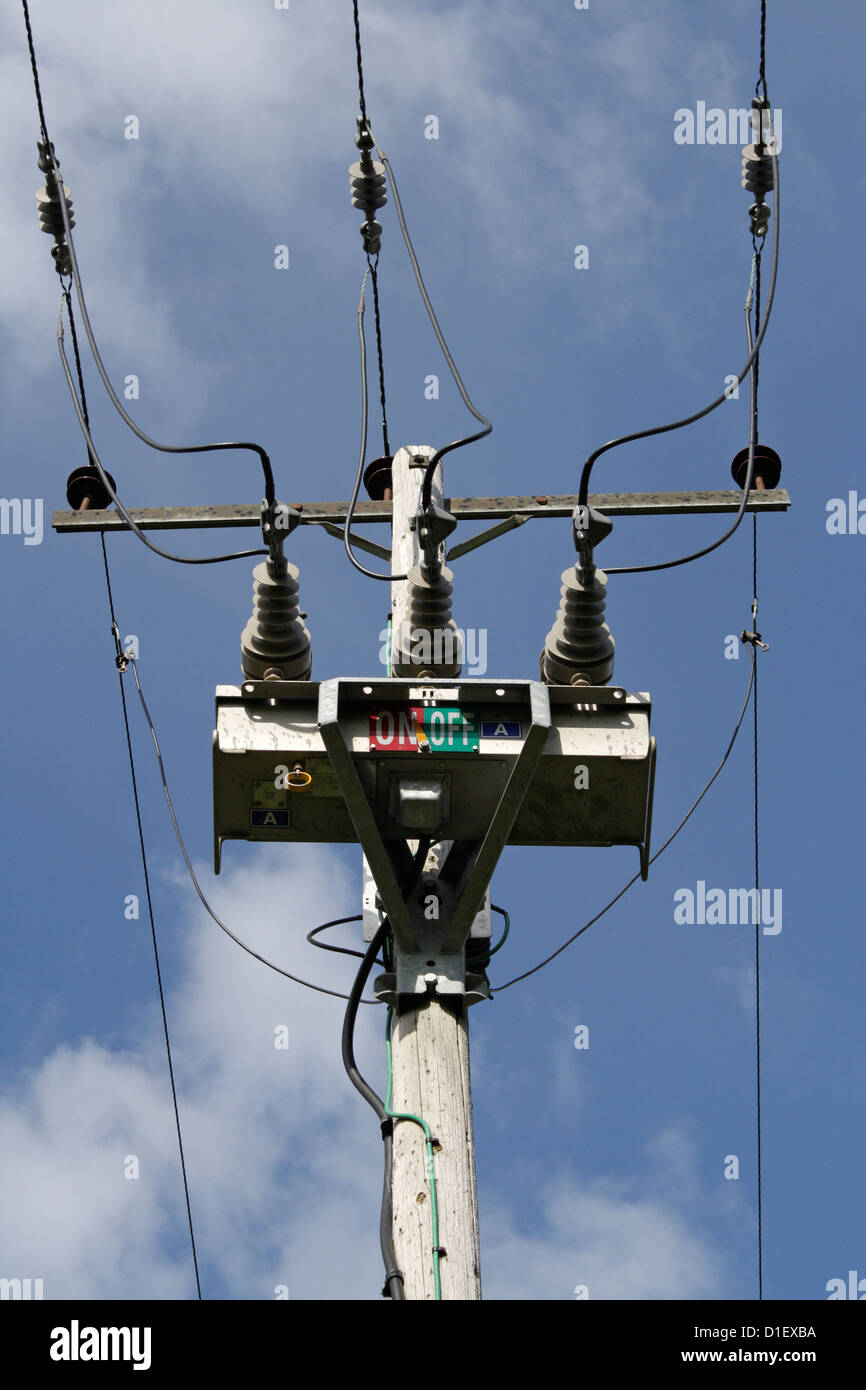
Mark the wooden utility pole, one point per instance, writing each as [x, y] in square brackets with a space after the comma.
[430, 1045]
[430, 1050]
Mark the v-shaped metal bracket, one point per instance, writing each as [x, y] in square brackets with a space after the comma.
[470, 863]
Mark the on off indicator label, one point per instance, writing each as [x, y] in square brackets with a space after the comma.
[420, 729]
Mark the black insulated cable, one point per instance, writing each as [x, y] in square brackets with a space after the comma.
[393, 1277]
[689, 813]
[120, 672]
[747, 481]
[353, 501]
[452, 366]
[374, 276]
[320, 989]
[699, 415]
[97, 463]
[270, 494]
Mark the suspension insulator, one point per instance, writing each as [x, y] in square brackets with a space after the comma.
[368, 188]
[275, 644]
[49, 208]
[50, 215]
[757, 175]
[428, 642]
[368, 185]
[579, 648]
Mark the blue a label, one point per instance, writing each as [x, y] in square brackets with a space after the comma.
[501, 728]
[270, 820]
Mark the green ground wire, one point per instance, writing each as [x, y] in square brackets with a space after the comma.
[416, 1119]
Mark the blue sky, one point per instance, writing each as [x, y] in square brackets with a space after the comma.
[604, 1166]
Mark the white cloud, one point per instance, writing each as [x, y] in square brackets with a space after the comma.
[621, 1240]
[253, 110]
[283, 1157]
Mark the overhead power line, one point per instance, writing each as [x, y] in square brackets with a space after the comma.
[320, 989]
[120, 669]
[694, 806]
[97, 463]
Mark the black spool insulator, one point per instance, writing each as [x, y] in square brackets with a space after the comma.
[768, 466]
[377, 477]
[85, 483]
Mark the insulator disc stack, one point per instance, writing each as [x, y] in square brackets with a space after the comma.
[275, 643]
[757, 175]
[429, 643]
[579, 648]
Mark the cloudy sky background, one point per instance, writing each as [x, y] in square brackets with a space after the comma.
[601, 1167]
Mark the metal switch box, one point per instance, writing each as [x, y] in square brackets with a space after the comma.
[433, 758]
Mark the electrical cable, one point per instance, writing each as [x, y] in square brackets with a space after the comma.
[320, 989]
[431, 313]
[340, 950]
[427, 484]
[270, 495]
[393, 1278]
[353, 501]
[686, 817]
[751, 367]
[502, 940]
[762, 74]
[757, 950]
[374, 265]
[431, 1166]
[374, 276]
[115, 630]
[54, 173]
[426, 489]
[33, 65]
[360, 62]
[479, 949]
[755, 752]
[691, 419]
[91, 448]
[372, 271]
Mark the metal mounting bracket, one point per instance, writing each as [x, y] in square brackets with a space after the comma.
[430, 951]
